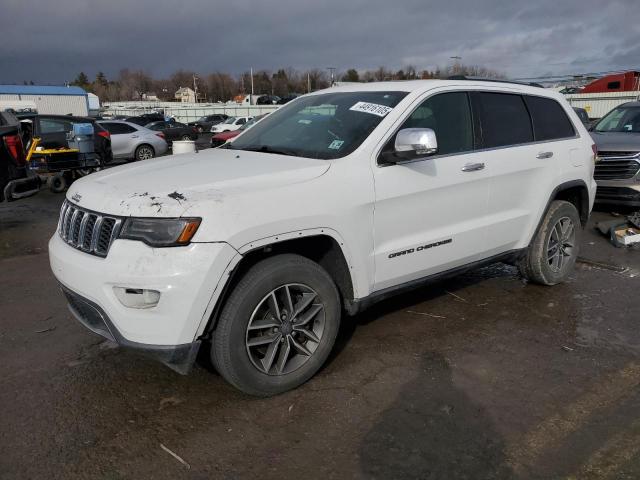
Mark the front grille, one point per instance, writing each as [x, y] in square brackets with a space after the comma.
[614, 169]
[607, 153]
[87, 231]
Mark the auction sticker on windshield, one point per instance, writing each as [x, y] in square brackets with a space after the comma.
[373, 108]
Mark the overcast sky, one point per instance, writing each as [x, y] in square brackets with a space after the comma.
[50, 41]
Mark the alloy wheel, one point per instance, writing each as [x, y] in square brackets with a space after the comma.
[285, 329]
[561, 244]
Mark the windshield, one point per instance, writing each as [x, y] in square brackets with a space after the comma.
[323, 126]
[229, 120]
[621, 119]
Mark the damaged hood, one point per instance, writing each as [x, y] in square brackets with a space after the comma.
[169, 186]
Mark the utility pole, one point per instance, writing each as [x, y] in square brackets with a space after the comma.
[252, 83]
[195, 86]
[308, 83]
[331, 71]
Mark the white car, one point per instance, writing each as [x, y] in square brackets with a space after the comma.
[132, 141]
[337, 200]
[230, 124]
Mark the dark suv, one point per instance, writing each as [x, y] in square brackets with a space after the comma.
[16, 180]
[204, 124]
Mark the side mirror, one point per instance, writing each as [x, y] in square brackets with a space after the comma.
[415, 142]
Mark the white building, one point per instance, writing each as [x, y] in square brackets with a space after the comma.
[49, 99]
[185, 95]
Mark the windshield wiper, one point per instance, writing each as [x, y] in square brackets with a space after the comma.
[268, 149]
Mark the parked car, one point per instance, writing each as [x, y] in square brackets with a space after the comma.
[174, 131]
[288, 98]
[222, 138]
[583, 116]
[617, 136]
[349, 195]
[204, 124]
[230, 124]
[53, 129]
[132, 141]
[145, 118]
[16, 180]
[267, 100]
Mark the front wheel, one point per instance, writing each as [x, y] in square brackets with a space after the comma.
[553, 251]
[277, 327]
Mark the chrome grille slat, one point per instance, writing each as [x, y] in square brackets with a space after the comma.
[88, 231]
[612, 168]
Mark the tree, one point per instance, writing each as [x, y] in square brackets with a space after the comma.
[351, 76]
[81, 80]
[101, 80]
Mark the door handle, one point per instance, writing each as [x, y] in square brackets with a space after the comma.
[473, 167]
[544, 155]
[134, 136]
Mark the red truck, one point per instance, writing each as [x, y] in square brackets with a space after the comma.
[618, 82]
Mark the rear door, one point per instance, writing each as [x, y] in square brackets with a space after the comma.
[521, 169]
[123, 138]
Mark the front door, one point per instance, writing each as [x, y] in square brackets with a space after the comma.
[431, 214]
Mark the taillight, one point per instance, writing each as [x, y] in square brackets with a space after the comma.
[104, 134]
[161, 135]
[16, 149]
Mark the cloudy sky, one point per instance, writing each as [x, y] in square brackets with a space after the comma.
[50, 41]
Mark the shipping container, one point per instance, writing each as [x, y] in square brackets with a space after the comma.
[49, 99]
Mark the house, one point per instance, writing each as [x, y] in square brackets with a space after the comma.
[185, 95]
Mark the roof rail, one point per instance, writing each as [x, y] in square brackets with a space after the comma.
[497, 80]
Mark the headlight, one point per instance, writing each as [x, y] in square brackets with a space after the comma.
[160, 232]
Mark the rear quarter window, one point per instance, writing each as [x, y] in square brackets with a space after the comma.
[550, 121]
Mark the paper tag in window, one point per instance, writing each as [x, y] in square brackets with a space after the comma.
[336, 144]
[373, 108]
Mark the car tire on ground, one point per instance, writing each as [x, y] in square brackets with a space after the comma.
[144, 152]
[264, 355]
[185, 137]
[553, 251]
[57, 183]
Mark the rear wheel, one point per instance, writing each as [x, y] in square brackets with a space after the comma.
[277, 327]
[186, 137]
[144, 152]
[554, 249]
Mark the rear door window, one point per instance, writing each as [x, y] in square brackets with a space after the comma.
[55, 125]
[502, 119]
[550, 121]
[118, 128]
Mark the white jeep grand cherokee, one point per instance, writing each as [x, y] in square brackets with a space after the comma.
[331, 203]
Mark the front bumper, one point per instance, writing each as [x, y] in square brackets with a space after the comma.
[186, 278]
[618, 193]
[179, 358]
[22, 188]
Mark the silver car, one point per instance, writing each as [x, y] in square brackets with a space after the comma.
[131, 141]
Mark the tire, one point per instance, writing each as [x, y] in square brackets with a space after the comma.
[57, 183]
[144, 152]
[545, 262]
[185, 137]
[250, 303]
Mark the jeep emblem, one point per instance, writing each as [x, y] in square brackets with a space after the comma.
[76, 197]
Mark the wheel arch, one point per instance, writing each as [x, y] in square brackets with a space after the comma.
[323, 246]
[575, 192]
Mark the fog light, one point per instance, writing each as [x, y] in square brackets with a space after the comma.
[137, 297]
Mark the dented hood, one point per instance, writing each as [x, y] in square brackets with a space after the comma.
[169, 186]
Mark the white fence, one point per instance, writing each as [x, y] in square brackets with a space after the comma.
[185, 112]
[598, 105]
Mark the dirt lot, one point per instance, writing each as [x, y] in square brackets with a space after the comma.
[479, 377]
